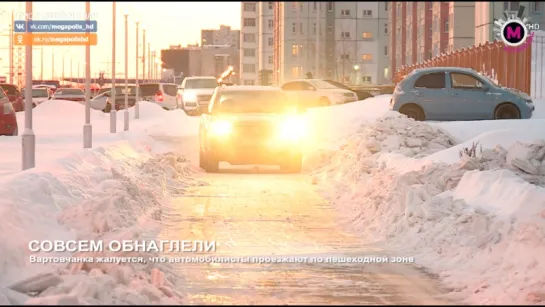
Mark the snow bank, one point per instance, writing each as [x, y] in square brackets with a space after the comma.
[477, 222]
[117, 190]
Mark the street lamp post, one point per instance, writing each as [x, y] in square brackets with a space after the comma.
[53, 65]
[136, 104]
[63, 60]
[87, 128]
[149, 61]
[71, 70]
[113, 114]
[126, 113]
[28, 139]
[143, 55]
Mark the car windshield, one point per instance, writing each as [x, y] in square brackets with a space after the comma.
[320, 84]
[37, 93]
[253, 102]
[200, 83]
[149, 89]
[337, 84]
[69, 92]
[9, 89]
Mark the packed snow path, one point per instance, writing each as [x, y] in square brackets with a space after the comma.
[280, 215]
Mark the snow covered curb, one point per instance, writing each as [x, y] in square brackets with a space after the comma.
[478, 223]
[116, 192]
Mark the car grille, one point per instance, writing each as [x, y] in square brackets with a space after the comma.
[254, 130]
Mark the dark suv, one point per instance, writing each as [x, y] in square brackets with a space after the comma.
[251, 125]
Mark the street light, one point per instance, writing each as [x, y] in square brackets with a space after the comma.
[28, 138]
[126, 113]
[113, 114]
[87, 128]
[136, 104]
[143, 54]
[356, 67]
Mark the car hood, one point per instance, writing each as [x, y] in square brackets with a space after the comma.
[199, 91]
[337, 91]
[254, 118]
[518, 93]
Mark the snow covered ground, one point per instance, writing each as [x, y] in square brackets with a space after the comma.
[478, 222]
[117, 190]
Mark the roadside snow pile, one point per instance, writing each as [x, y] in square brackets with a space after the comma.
[479, 223]
[118, 192]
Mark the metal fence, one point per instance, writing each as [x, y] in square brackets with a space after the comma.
[521, 69]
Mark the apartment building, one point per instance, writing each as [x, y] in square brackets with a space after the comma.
[265, 35]
[440, 27]
[461, 29]
[487, 12]
[249, 44]
[222, 36]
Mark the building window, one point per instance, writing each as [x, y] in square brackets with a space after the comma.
[511, 5]
[446, 26]
[248, 68]
[366, 79]
[270, 41]
[315, 6]
[386, 50]
[330, 6]
[296, 71]
[249, 22]
[536, 6]
[249, 7]
[345, 34]
[366, 57]
[248, 38]
[345, 56]
[249, 82]
[385, 28]
[270, 60]
[329, 29]
[314, 28]
[386, 8]
[345, 12]
[294, 6]
[296, 50]
[367, 35]
[270, 5]
[249, 53]
[367, 13]
[270, 23]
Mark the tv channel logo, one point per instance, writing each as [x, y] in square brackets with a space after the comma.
[19, 26]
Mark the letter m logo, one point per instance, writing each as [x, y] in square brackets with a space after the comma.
[513, 33]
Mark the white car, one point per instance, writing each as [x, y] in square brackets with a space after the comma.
[72, 94]
[39, 95]
[316, 92]
[195, 92]
[163, 94]
[99, 101]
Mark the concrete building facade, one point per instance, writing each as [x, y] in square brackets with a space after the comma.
[460, 27]
[487, 12]
[265, 35]
[249, 43]
[223, 36]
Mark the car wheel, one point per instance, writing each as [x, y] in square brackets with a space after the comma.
[413, 111]
[294, 164]
[324, 102]
[210, 163]
[108, 108]
[507, 111]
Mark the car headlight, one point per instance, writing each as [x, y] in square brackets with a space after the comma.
[189, 97]
[221, 128]
[293, 128]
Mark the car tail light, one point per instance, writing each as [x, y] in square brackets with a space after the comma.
[159, 96]
[8, 108]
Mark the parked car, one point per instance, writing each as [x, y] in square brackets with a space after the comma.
[99, 102]
[163, 94]
[71, 94]
[360, 93]
[194, 93]
[453, 93]
[14, 95]
[39, 95]
[316, 92]
[8, 119]
[119, 101]
[251, 125]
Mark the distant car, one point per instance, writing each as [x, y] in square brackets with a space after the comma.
[99, 102]
[71, 94]
[14, 96]
[194, 94]
[361, 94]
[39, 95]
[163, 94]
[119, 101]
[8, 119]
[453, 93]
[251, 125]
[316, 92]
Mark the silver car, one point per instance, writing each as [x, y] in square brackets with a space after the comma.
[72, 94]
[194, 94]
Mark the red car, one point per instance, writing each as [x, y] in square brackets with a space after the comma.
[14, 95]
[8, 120]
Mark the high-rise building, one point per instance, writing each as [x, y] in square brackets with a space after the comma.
[223, 36]
[249, 44]
[265, 40]
[487, 12]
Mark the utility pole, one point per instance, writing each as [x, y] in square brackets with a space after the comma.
[11, 46]
[297, 40]
[317, 55]
[149, 61]
[143, 55]
[42, 63]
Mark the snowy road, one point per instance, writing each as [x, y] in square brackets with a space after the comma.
[275, 214]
